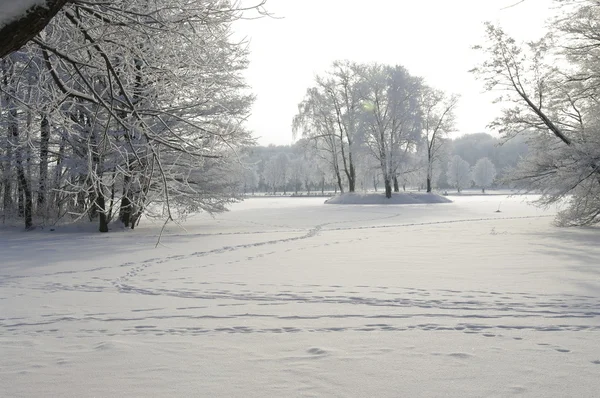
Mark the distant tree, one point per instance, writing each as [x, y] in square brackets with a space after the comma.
[329, 115]
[250, 178]
[391, 118]
[484, 173]
[458, 173]
[438, 121]
[472, 147]
[297, 172]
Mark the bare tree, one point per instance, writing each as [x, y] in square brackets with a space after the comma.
[391, 117]
[329, 114]
[553, 85]
[144, 108]
[438, 121]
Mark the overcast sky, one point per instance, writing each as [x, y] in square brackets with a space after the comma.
[432, 38]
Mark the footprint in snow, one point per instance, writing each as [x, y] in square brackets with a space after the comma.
[316, 351]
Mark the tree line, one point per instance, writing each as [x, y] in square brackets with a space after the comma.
[473, 160]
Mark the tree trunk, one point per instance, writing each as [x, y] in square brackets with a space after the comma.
[125, 210]
[352, 179]
[100, 206]
[7, 200]
[388, 188]
[428, 184]
[25, 198]
[339, 181]
[27, 206]
[24, 27]
[44, 143]
[396, 185]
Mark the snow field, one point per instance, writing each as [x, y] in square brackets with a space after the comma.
[289, 297]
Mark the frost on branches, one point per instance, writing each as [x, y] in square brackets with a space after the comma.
[553, 85]
[359, 114]
[124, 108]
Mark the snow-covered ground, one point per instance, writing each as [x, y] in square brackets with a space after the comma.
[287, 297]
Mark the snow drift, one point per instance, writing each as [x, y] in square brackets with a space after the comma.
[411, 198]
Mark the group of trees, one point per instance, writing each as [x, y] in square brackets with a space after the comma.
[460, 174]
[464, 162]
[123, 108]
[376, 110]
[114, 107]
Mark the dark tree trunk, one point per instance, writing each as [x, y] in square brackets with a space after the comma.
[7, 200]
[18, 32]
[20, 206]
[428, 185]
[26, 206]
[388, 188]
[352, 179]
[25, 197]
[396, 185]
[44, 143]
[125, 210]
[339, 181]
[100, 206]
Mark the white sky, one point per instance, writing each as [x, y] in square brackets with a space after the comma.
[432, 38]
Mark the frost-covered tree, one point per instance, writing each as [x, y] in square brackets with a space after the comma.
[127, 105]
[329, 115]
[250, 178]
[297, 172]
[276, 172]
[484, 173]
[458, 173]
[553, 86]
[438, 121]
[391, 117]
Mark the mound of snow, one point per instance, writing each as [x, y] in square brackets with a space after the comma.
[410, 198]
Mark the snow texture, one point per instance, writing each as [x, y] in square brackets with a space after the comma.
[411, 198]
[287, 297]
[12, 10]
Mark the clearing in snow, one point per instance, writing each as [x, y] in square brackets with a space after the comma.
[289, 297]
